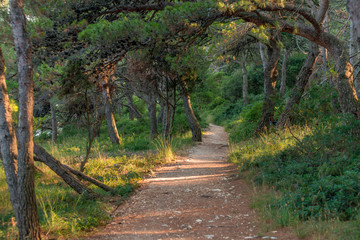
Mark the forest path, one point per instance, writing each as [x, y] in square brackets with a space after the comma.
[198, 197]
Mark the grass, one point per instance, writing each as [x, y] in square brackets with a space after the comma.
[306, 177]
[62, 212]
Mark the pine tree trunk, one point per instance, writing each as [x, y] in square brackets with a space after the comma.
[190, 115]
[161, 113]
[89, 179]
[110, 119]
[301, 82]
[353, 7]
[61, 171]
[8, 142]
[245, 91]
[169, 113]
[263, 58]
[270, 78]
[352, 50]
[151, 104]
[27, 221]
[283, 73]
[133, 111]
[54, 128]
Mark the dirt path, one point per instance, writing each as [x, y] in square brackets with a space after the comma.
[198, 197]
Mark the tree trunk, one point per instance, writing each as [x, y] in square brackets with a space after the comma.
[190, 115]
[61, 171]
[90, 128]
[110, 119]
[89, 179]
[301, 82]
[169, 113]
[283, 73]
[353, 7]
[270, 78]
[54, 128]
[151, 104]
[344, 82]
[8, 142]
[161, 113]
[27, 221]
[133, 111]
[263, 58]
[245, 91]
[352, 50]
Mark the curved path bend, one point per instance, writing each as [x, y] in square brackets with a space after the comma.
[198, 197]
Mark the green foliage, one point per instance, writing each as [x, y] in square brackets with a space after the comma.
[245, 123]
[317, 172]
[295, 63]
[65, 214]
[320, 102]
[231, 86]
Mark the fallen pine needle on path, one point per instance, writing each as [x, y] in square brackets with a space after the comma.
[198, 197]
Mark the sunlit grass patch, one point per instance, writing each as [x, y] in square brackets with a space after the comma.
[62, 212]
[313, 174]
[249, 152]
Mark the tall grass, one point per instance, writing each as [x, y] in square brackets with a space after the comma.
[310, 176]
[62, 212]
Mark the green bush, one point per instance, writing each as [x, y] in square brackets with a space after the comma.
[318, 173]
[245, 124]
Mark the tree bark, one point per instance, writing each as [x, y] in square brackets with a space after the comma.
[61, 171]
[110, 119]
[301, 82]
[151, 105]
[133, 111]
[27, 221]
[344, 82]
[263, 58]
[8, 142]
[353, 7]
[352, 50]
[89, 179]
[245, 91]
[169, 113]
[190, 115]
[270, 78]
[283, 73]
[54, 128]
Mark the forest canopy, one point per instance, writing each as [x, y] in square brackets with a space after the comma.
[81, 79]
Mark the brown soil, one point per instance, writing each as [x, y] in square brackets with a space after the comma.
[198, 197]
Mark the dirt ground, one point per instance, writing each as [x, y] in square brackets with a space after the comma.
[197, 197]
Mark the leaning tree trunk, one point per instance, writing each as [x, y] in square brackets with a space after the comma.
[61, 171]
[27, 221]
[301, 82]
[270, 78]
[110, 119]
[190, 115]
[245, 85]
[283, 73]
[133, 111]
[8, 142]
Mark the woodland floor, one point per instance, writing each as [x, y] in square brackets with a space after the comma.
[197, 197]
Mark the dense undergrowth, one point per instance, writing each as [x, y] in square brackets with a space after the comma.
[308, 175]
[62, 212]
